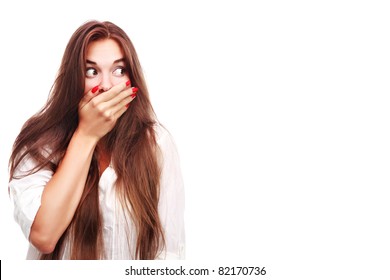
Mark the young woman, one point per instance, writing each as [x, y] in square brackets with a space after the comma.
[93, 175]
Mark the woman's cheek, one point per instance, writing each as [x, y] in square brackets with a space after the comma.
[89, 85]
[119, 80]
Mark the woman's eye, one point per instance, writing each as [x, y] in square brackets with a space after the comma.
[91, 72]
[119, 71]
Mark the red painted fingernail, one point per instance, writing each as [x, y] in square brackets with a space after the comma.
[95, 89]
[127, 105]
[134, 95]
[135, 89]
[128, 83]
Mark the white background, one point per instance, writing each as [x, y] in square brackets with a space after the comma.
[280, 111]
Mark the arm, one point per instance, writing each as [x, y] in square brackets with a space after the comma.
[62, 193]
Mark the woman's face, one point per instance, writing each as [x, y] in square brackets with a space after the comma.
[105, 65]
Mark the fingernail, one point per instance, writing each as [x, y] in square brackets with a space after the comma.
[127, 105]
[128, 83]
[95, 89]
[134, 95]
[135, 89]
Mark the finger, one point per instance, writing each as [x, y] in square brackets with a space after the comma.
[88, 96]
[123, 104]
[120, 97]
[113, 92]
[120, 112]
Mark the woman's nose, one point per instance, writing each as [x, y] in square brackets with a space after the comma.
[105, 83]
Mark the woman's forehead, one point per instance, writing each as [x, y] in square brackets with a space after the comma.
[105, 51]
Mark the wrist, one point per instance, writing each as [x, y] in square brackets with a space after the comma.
[84, 139]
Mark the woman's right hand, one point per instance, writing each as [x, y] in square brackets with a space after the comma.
[98, 113]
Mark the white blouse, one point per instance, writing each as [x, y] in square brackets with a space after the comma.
[117, 230]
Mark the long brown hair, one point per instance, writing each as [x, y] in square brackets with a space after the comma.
[132, 145]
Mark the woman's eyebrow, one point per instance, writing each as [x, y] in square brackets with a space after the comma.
[91, 62]
[115, 61]
[119, 60]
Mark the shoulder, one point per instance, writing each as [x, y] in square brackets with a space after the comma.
[29, 161]
[166, 145]
[164, 138]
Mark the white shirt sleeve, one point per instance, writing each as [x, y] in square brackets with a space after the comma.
[171, 204]
[26, 192]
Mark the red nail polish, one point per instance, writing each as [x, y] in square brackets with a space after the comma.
[135, 89]
[127, 105]
[128, 83]
[95, 89]
[133, 95]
